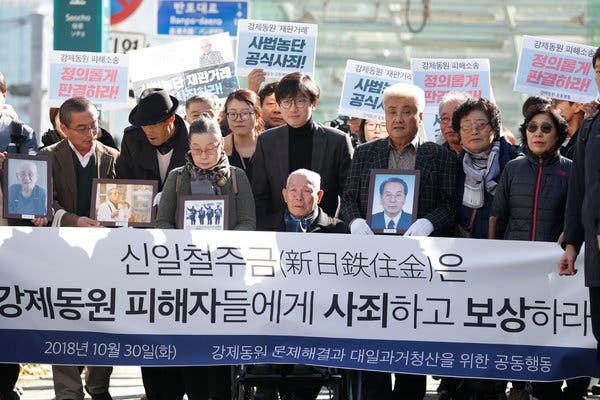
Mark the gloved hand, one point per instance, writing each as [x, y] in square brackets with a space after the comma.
[360, 227]
[421, 227]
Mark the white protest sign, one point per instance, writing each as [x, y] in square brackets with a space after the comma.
[364, 83]
[378, 302]
[556, 69]
[276, 47]
[99, 77]
[186, 68]
[440, 76]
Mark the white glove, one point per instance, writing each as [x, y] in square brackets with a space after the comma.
[360, 227]
[421, 227]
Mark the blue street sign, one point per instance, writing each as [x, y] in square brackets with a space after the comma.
[194, 17]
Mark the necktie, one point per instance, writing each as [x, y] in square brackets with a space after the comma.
[391, 224]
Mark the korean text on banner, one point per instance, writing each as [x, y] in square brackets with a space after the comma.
[100, 77]
[364, 83]
[440, 76]
[556, 69]
[458, 307]
[276, 47]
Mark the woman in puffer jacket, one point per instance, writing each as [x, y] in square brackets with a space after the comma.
[531, 196]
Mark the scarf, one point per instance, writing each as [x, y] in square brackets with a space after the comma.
[208, 181]
[293, 224]
[481, 172]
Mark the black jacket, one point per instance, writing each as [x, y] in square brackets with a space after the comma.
[138, 159]
[322, 224]
[531, 197]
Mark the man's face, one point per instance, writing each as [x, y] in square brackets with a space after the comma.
[301, 196]
[296, 111]
[393, 198]
[270, 111]
[113, 196]
[160, 132]
[82, 130]
[402, 118]
[27, 176]
[446, 122]
[206, 47]
[565, 109]
[198, 108]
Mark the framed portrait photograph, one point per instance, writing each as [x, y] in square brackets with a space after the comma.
[393, 200]
[27, 186]
[202, 212]
[123, 202]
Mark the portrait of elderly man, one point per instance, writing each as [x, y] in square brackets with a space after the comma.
[392, 197]
[109, 209]
[209, 56]
[27, 197]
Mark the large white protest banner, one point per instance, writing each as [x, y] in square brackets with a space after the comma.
[556, 69]
[186, 68]
[276, 47]
[100, 77]
[458, 307]
[364, 83]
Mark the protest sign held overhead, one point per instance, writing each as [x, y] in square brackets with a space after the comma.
[100, 77]
[364, 83]
[556, 69]
[278, 48]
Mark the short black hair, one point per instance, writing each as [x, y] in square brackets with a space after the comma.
[393, 179]
[267, 90]
[297, 83]
[557, 119]
[485, 106]
[534, 102]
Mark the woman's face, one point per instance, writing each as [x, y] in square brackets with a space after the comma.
[375, 130]
[476, 134]
[240, 117]
[205, 149]
[541, 135]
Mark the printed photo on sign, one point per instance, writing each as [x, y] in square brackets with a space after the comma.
[393, 199]
[278, 48]
[364, 83]
[202, 212]
[556, 69]
[27, 187]
[123, 202]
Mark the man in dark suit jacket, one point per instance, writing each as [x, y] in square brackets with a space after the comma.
[403, 149]
[300, 143]
[392, 194]
[156, 142]
[76, 161]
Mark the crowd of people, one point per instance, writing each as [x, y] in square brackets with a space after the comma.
[282, 171]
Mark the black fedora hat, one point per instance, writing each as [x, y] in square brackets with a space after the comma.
[155, 105]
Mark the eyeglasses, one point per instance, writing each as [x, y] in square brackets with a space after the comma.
[478, 125]
[546, 127]
[299, 102]
[371, 126]
[446, 120]
[83, 129]
[243, 115]
[211, 149]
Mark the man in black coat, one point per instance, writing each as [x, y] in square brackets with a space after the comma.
[300, 143]
[156, 142]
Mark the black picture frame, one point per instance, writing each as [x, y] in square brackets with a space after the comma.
[190, 207]
[39, 202]
[135, 202]
[382, 208]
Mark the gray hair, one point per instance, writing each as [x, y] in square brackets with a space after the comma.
[311, 176]
[451, 97]
[205, 126]
[204, 97]
[405, 90]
